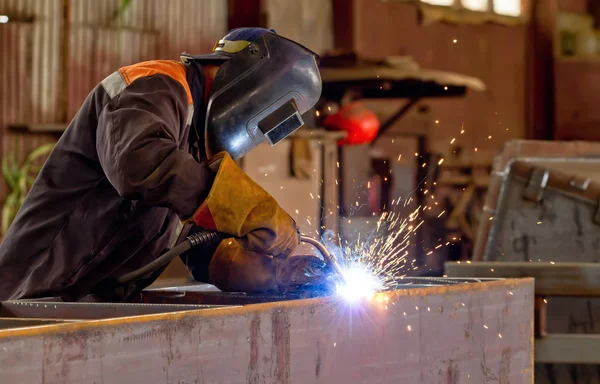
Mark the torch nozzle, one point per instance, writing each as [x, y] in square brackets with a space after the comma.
[329, 258]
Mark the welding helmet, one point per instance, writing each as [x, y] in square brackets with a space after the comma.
[263, 86]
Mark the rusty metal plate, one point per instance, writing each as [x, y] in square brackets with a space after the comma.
[480, 332]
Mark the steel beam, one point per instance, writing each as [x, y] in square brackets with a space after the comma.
[474, 332]
[551, 279]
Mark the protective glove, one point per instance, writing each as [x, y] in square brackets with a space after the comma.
[235, 269]
[238, 206]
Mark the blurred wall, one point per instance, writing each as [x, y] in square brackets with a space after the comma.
[576, 6]
[577, 89]
[308, 22]
[496, 54]
[102, 36]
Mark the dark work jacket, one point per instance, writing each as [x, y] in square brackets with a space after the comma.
[113, 192]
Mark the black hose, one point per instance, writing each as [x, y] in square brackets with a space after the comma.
[198, 239]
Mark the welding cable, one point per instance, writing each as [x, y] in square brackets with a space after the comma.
[198, 239]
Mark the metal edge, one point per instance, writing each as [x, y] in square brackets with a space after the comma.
[493, 202]
[261, 307]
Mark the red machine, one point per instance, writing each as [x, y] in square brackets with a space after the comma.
[361, 124]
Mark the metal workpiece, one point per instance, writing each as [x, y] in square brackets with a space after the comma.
[27, 309]
[473, 332]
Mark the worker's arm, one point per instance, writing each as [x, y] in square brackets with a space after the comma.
[139, 132]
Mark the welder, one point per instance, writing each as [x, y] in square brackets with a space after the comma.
[150, 157]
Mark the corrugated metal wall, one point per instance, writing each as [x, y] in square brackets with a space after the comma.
[101, 39]
[29, 69]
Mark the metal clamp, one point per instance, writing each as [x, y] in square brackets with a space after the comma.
[579, 183]
[538, 180]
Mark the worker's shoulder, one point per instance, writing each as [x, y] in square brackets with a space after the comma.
[119, 80]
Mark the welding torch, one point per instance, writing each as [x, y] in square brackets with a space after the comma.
[206, 238]
[329, 258]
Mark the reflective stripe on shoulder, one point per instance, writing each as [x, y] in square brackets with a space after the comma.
[114, 84]
[173, 69]
[190, 116]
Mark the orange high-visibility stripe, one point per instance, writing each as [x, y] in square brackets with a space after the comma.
[170, 68]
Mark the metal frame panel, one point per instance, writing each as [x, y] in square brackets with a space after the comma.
[529, 151]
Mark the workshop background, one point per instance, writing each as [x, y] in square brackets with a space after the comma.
[53, 52]
[465, 78]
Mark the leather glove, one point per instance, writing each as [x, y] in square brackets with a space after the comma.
[235, 269]
[238, 206]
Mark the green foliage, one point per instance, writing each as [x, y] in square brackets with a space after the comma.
[19, 179]
[123, 7]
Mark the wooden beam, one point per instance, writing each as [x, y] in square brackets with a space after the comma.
[343, 24]
[244, 13]
[540, 69]
[567, 349]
